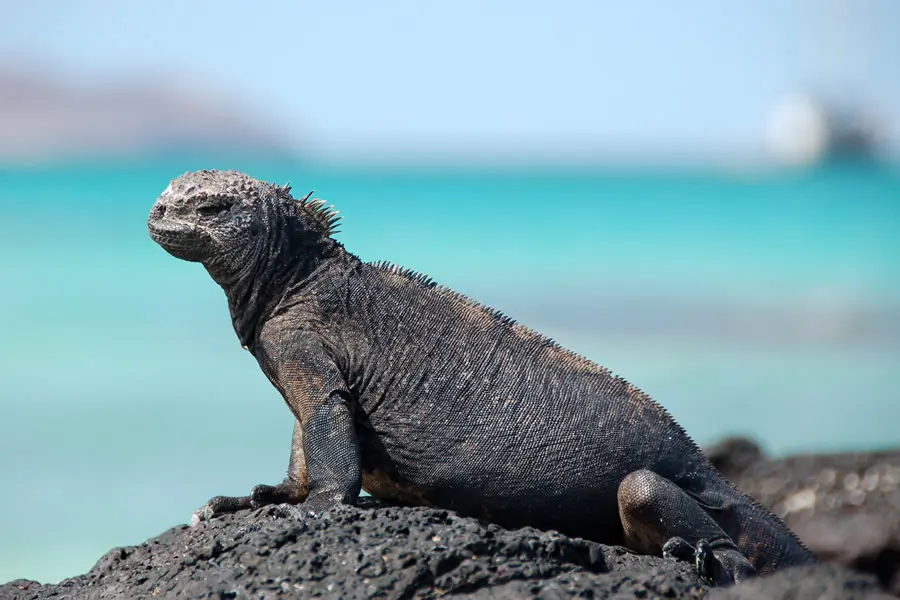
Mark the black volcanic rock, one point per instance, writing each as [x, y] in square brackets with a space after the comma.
[807, 583]
[394, 552]
[844, 506]
[388, 552]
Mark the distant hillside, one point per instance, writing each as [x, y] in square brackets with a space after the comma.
[47, 116]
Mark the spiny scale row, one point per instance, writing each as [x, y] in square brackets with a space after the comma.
[326, 216]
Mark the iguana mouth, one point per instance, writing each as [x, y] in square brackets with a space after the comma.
[172, 231]
[181, 240]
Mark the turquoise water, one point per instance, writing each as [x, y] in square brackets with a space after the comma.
[765, 304]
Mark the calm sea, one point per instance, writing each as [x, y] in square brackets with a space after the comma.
[766, 304]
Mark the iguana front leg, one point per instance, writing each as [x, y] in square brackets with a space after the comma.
[658, 516]
[325, 467]
[333, 465]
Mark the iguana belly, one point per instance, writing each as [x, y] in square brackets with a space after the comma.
[380, 484]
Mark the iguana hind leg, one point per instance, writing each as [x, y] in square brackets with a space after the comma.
[658, 516]
[290, 491]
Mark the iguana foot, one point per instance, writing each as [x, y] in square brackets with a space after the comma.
[657, 514]
[313, 507]
[717, 563]
[219, 505]
[283, 493]
[261, 495]
[292, 511]
[678, 548]
[700, 554]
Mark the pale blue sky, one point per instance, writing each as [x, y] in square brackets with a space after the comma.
[474, 77]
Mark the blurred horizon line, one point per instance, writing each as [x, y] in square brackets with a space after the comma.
[51, 117]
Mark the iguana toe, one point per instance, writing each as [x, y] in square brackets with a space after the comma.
[717, 563]
[220, 505]
[288, 511]
[263, 495]
[314, 506]
[730, 566]
[204, 513]
[704, 561]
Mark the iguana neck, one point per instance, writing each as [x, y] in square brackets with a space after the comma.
[256, 289]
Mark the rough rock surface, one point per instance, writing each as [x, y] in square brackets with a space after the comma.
[807, 583]
[360, 553]
[845, 506]
[393, 552]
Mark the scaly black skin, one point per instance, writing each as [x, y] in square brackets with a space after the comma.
[421, 396]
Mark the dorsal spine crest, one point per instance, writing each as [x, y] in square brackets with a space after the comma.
[318, 210]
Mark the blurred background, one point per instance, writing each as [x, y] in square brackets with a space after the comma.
[702, 196]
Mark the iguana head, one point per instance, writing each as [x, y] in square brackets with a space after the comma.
[232, 223]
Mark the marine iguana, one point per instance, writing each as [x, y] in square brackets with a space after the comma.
[422, 396]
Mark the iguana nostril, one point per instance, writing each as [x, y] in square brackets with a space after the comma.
[159, 211]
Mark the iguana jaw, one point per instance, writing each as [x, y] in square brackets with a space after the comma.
[181, 240]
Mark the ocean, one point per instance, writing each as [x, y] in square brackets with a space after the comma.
[762, 303]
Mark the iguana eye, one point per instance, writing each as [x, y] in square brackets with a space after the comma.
[213, 207]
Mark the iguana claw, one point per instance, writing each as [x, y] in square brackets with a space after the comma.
[705, 561]
[716, 563]
[220, 505]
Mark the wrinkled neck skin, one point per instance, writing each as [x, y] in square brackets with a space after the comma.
[256, 275]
